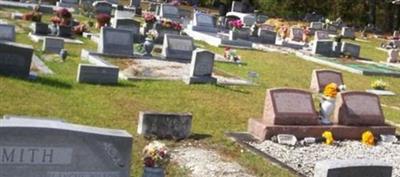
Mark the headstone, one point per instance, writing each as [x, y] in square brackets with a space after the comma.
[287, 139]
[237, 6]
[15, 59]
[162, 31]
[54, 149]
[351, 49]
[352, 168]
[321, 35]
[393, 56]
[40, 28]
[169, 12]
[348, 32]
[64, 31]
[7, 32]
[267, 36]
[267, 27]
[289, 107]
[130, 25]
[201, 68]
[323, 47]
[260, 19]
[317, 25]
[396, 34]
[102, 7]
[115, 42]
[165, 125]
[67, 3]
[296, 34]
[322, 77]
[92, 74]
[358, 109]
[177, 47]
[204, 22]
[53, 45]
[135, 3]
[244, 33]
[124, 14]
[242, 7]
[332, 28]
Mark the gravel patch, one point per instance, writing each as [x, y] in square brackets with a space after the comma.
[206, 163]
[303, 158]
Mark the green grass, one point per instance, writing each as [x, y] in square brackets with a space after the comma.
[216, 109]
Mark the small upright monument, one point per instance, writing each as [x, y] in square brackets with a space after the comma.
[201, 68]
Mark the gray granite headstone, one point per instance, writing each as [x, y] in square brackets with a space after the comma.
[201, 67]
[67, 3]
[352, 168]
[15, 59]
[135, 3]
[204, 22]
[115, 42]
[323, 47]
[348, 32]
[102, 7]
[124, 14]
[165, 125]
[267, 36]
[92, 74]
[7, 32]
[316, 25]
[351, 49]
[169, 12]
[45, 148]
[53, 45]
[177, 47]
[130, 25]
[162, 31]
[322, 77]
[321, 35]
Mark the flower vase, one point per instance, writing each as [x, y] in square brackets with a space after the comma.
[153, 172]
[327, 107]
[148, 47]
[233, 34]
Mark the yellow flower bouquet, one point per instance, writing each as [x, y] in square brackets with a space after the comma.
[379, 85]
[328, 137]
[368, 138]
[331, 90]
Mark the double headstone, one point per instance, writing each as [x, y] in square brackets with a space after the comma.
[296, 34]
[177, 47]
[348, 32]
[92, 74]
[15, 59]
[201, 68]
[204, 23]
[115, 42]
[7, 32]
[53, 45]
[322, 77]
[53, 148]
[102, 7]
[350, 49]
[352, 168]
[130, 25]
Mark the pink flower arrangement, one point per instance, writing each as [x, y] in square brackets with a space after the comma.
[156, 154]
[236, 24]
[171, 24]
[63, 13]
[102, 20]
[149, 17]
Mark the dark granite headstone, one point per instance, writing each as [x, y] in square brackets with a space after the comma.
[135, 3]
[165, 125]
[40, 28]
[321, 35]
[102, 7]
[359, 109]
[15, 59]
[93, 74]
[204, 22]
[45, 148]
[177, 47]
[267, 36]
[130, 25]
[115, 42]
[201, 67]
[169, 12]
[53, 45]
[322, 77]
[296, 34]
[323, 47]
[351, 49]
[348, 32]
[64, 31]
[352, 168]
[7, 32]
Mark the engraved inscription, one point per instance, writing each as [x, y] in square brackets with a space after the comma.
[328, 77]
[12, 59]
[83, 174]
[117, 38]
[35, 155]
[6, 32]
[204, 20]
[363, 105]
[113, 153]
[180, 44]
[293, 102]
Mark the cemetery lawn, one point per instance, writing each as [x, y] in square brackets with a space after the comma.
[216, 109]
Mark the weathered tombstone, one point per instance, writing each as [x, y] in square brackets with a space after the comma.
[15, 59]
[177, 47]
[289, 107]
[115, 42]
[348, 32]
[267, 36]
[53, 45]
[316, 25]
[130, 25]
[201, 69]
[393, 56]
[165, 125]
[64, 31]
[54, 149]
[93, 74]
[323, 47]
[169, 12]
[352, 168]
[321, 35]
[322, 77]
[296, 34]
[124, 14]
[351, 49]
[204, 22]
[358, 109]
[134, 3]
[102, 7]
[7, 32]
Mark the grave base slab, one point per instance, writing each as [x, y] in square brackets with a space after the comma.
[262, 131]
[200, 80]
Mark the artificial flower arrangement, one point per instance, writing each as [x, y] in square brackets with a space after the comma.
[231, 54]
[368, 138]
[79, 29]
[328, 137]
[34, 15]
[152, 34]
[102, 20]
[331, 90]
[156, 155]
[379, 85]
[236, 24]
[149, 17]
[166, 23]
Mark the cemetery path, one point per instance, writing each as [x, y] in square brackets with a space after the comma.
[202, 162]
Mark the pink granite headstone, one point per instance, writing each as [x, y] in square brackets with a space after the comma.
[322, 77]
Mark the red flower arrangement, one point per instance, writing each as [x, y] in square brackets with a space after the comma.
[63, 13]
[79, 29]
[102, 20]
[149, 17]
[236, 24]
[171, 24]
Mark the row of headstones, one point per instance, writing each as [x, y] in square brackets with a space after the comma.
[39, 28]
[76, 3]
[323, 45]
